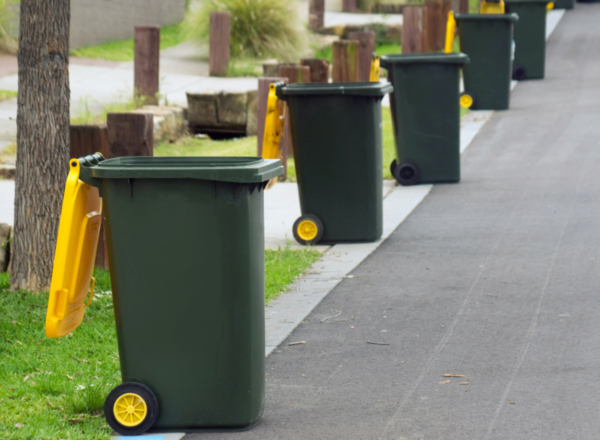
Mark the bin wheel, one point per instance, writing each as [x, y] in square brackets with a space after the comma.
[308, 229]
[519, 72]
[131, 409]
[407, 173]
[393, 166]
[466, 100]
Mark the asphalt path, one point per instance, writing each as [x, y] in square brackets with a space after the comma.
[496, 279]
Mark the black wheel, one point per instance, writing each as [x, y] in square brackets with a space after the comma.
[393, 166]
[407, 173]
[308, 229]
[131, 409]
[519, 72]
[466, 100]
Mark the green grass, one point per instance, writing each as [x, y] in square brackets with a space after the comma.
[55, 388]
[7, 94]
[123, 50]
[283, 266]
[245, 146]
[244, 68]
[389, 143]
[86, 116]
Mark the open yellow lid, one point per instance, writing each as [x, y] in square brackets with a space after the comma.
[80, 222]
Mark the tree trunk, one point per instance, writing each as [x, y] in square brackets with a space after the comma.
[42, 139]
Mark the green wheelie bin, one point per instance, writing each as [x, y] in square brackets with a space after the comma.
[426, 115]
[488, 41]
[337, 136]
[530, 38]
[185, 239]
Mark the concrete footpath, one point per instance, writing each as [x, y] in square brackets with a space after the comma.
[495, 278]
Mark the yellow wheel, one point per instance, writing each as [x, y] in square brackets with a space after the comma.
[308, 229]
[131, 409]
[550, 6]
[466, 100]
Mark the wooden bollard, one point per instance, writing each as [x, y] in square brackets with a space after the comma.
[86, 140]
[130, 134]
[349, 6]
[146, 63]
[319, 69]
[316, 15]
[220, 35]
[412, 24]
[345, 61]
[435, 17]
[295, 73]
[263, 95]
[366, 47]
[460, 6]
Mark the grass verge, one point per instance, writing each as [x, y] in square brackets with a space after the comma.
[85, 116]
[55, 388]
[123, 50]
[245, 146]
[7, 94]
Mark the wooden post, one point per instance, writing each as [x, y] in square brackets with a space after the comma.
[263, 95]
[412, 36]
[366, 47]
[220, 34]
[316, 14]
[434, 25]
[319, 69]
[345, 61]
[460, 6]
[130, 134]
[295, 73]
[271, 70]
[86, 140]
[146, 63]
[349, 6]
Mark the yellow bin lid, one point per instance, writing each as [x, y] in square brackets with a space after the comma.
[80, 222]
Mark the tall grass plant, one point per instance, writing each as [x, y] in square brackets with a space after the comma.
[259, 28]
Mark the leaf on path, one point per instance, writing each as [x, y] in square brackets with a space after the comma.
[454, 375]
[444, 383]
[464, 383]
[377, 343]
[297, 343]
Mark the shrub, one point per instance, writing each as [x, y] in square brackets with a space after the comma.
[7, 15]
[259, 28]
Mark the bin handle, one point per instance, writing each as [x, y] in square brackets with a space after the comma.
[59, 306]
[375, 75]
[450, 31]
[85, 173]
[91, 292]
[274, 122]
[492, 7]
